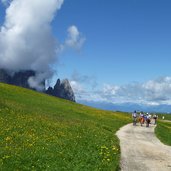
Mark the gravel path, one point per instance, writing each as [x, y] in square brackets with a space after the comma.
[142, 151]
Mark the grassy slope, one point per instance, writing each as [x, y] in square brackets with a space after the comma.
[163, 132]
[163, 129]
[40, 132]
[166, 116]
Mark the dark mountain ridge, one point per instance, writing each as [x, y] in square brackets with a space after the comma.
[61, 89]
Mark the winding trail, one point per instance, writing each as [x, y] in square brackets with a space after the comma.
[142, 151]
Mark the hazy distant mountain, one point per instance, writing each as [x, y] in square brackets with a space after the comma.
[127, 107]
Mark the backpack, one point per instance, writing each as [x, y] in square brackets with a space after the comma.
[134, 115]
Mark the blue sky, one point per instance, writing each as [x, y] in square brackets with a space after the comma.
[126, 41]
[127, 47]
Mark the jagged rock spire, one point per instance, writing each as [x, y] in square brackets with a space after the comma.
[62, 89]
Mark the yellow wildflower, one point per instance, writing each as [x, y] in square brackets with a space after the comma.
[8, 138]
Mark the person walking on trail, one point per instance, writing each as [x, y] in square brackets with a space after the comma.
[141, 118]
[155, 119]
[134, 117]
[145, 117]
[148, 120]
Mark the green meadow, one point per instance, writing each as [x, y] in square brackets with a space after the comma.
[40, 132]
[163, 131]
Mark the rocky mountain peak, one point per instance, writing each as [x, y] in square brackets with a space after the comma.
[18, 78]
[61, 89]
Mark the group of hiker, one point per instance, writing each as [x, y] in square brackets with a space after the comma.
[144, 118]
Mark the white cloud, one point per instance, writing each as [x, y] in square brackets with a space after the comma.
[152, 92]
[26, 40]
[74, 39]
[158, 90]
[109, 89]
[77, 87]
[90, 81]
[82, 88]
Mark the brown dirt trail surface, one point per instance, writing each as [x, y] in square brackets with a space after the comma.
[141, 150]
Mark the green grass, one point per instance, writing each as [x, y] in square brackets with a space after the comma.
[166, 116]
[40, 132]
[163, 129]
[163, 132]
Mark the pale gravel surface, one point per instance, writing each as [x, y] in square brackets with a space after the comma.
[141, 150]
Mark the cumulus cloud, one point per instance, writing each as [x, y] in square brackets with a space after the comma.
[75, 38]
[152, 92]
[77, 87]
[82, 93]
[26, 40]
[110, 90]
[90, 81]
[84, 87]
[158, 90]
